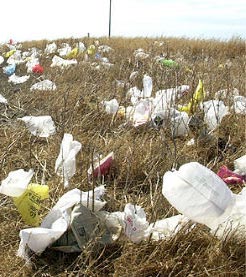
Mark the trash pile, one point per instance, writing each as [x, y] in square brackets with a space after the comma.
[79, 217]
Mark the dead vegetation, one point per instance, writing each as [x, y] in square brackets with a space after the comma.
[142, 155]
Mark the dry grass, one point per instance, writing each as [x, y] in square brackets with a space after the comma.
[143, 155]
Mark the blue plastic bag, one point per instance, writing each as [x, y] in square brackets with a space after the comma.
[9, 70]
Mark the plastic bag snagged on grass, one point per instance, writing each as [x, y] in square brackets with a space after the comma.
[230, 177]
[38, 69]
[57, 221]
[203, 197]
[44, 85]
[240, 165]
[41, 126]
[9, 70]
[62, 63]
[1, 59]
[101, 167]
[111, 106]
[3, 100]
[26, 197]
[65, 165]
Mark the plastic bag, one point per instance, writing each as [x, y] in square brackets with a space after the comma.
[101, 167]
[239, 104]
[91, 50]
[169, 63]
[179, 123]
[44, 85]
[16, 182]
[240, 165]
[9, 70]
[38, 69]
[10, 53]
[3, 100]
[65, 165]
[18, 79]
[230, 177]
[214, 111]
[73, 53]
[41, 126]
[111, 106]
[28, 204]
[198, 193]
[62, 63]
[50, 48]
[1, 59]
[147, 86]
[64, 50]
[197, 98]
[31, 62]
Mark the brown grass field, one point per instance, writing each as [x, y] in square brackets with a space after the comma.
[142, 155]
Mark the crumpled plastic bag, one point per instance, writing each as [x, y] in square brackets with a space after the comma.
[1, 59]
[91, 50]
[240, 165]
[41, 126]
[9, 53]
[50, 48]
[31, 63]
[230, 177]
[38, 69]
[73, 53]
[57, 221]
[65, 165]
[27, 198]
[169, 63]
[18, 79]
[16, 58]
[62, 63]
[9, 69]
[214, 111]
[44, 85]
[239, 104]
[101, 167]
[111, 106]
[179, 123]
[64, 50]
[3, 100]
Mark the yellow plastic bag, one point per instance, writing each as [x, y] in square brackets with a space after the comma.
[91, 50]
[28, 204]
[197, 98]
[73, 53]
[10, 53]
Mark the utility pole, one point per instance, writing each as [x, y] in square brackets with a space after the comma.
[109, 23]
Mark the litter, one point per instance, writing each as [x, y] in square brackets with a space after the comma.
[230, 177]
[9, 70]
[240, 165]
[31, 63]
[3, 100]
[203, 197]
[50, 48]
[239, 104]
[65, 165]
[60, 62]
[64, 50]
[41, 126]
[18, 79]
[104, 49]
[10, 53]
[91, 50]
[101, 167]
[1, 59]
[169, 63]
[111, 106]
[16, 58]
[73, 53]
[38, 69]
[44, 85]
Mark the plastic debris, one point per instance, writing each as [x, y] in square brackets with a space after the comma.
[18, 79]
[31, 63]
[101, 167]
[240, 165]
[91, 50]
[44, 85]
[239, 104]
[73, 53]
[104, 49]
[50, 48]
[16, 58]
[41, 126]
[230, 177]
[214, 111]
[66, 48]
[147, 86]
[9, 70]
[196, 99]
[10, 53]
[111, 106]
[169, 63]
[60, 62]
[65, 165]
[38, 69]
[140, 55]
[3, 100]
[1, 59]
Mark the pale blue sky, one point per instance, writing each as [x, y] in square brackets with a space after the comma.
[51, 19]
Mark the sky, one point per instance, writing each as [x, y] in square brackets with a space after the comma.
[24, 20]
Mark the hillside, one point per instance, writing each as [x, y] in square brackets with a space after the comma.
[143, 153]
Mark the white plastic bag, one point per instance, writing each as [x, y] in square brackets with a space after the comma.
[1, 59]
[18, 79]
[199, 194]
[44, 85]
[147, 86]
[41, 126]
[111, 106]
[240, 104]
[179, 123]
[66, 48]
[16, 182]
[62, 63]
[240, 165]
[31, 63]
[65, 165]
[50, 48]
[214, 112]
[3, 100]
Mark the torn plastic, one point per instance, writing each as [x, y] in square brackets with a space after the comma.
[18, 79]
[239, 105]
[31, 63]
[41, 126]
[105, 49]
[65, 165]
[44, 85]
[64, 50]
[62, 63]
[230, 177]
[240, 165]
[101, 167]
[50, 48]
[1, 59]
